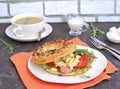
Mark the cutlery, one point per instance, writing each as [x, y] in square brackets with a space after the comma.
[99, 46]
[39, 34]
[105, 45]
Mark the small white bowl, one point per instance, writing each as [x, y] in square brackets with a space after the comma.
[112, 39]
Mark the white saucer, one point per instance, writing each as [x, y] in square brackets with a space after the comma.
[9, 33]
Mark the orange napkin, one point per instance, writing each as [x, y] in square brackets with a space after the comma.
[31, 82]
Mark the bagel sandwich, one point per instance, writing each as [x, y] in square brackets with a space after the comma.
[61, 57]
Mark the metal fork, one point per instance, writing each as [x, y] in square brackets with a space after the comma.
[99, 46]
[105, 45]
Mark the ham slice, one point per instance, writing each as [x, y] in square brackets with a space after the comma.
[65, 69]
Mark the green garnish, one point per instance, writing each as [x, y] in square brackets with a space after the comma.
[47, 66]
[58, 70]
[82, 52]
[91, 60]
[85, 76]
[78, 71]
[95, 31]
[8, 45]
[83, 71]
[63, 59]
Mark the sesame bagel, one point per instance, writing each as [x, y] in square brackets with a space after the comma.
[53, 50]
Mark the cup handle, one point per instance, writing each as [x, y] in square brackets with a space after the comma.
[18, 32]
[85, 27]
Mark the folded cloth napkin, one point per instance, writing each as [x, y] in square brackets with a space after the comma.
[20, 61]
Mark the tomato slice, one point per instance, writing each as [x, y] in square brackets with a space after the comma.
[52, 64]
[83, 62]
[92, 56]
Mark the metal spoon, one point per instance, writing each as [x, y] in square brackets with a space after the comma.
[39, 34]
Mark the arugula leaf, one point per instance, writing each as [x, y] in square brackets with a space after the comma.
[8, 45]
[82, 52]
[47, 66]
[91, 60]
[95, 31]
[77, 71]
[85, 76]
[83, 71]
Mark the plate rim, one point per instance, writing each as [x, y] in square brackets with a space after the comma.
[105, 64]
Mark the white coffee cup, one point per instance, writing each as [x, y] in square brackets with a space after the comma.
[27, 25]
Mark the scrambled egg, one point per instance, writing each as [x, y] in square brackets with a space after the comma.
[68, 61]
[53, 69]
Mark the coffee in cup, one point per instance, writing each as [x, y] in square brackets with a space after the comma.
[28, 20]
[27, 25]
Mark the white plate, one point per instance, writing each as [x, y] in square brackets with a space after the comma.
[97, 68]
[9, 33]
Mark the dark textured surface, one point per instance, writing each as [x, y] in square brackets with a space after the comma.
[9, 78]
